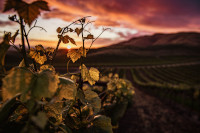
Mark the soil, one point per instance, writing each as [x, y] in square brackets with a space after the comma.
[149, 114]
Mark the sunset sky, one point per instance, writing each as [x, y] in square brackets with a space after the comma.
[126, 18]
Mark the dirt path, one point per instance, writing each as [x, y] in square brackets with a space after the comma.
[150, 115]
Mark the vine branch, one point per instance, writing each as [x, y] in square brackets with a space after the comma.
[97, 38]
[34, 26]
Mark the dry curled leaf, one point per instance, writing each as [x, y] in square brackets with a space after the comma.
[71, 30]
[44, 67]
[78, 31]
[72, 40]
[38, 54]
[83, 51]
[90, 36]
[94, 73]
[14, 36]
[29, 12]
[49, 50]
[59, 29]
[4, 46]
[65, 39]
[74, 55]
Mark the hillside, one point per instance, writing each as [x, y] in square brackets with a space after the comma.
[155, 45]
[182, 38]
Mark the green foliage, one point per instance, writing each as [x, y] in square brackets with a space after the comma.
[67, 89]
[91, 75]
[40, 55]
[45, 84]
[116, 97]
[102, 124]
[23, 81]
[74, 55]
[19, 80]
[91, 99]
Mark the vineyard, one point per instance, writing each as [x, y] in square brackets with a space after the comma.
[85, 90]
[180, 83]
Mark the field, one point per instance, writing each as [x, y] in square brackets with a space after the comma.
[166, 81]
[167, 99]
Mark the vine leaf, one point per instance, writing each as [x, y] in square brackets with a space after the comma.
[71, 30]
[102, 124]
[90, 98]
[14, 36]
[38, 54]
[47, 67]
[9, 4]
[49, 52]
[55, 110]
[78, 31]
[43, 5]
[22, 64]
[94, 73]
[22, 80]
[4, 46]
[72, 41]
[17, 81]
[91, 75]
[29, 12]
[67, 89]
[83, 51]
[45, 85]
[90, 36]
[93, 100]
[74, 55]
[59, 29]
[40, 120]
[66, 39]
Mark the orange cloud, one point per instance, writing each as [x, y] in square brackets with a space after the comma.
[149, 15]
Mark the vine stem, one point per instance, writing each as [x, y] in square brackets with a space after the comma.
[34, 26]
[97, 38]
[26, 36]
[68, 66]
[23, 43]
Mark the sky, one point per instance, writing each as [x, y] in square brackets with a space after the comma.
[125, 18]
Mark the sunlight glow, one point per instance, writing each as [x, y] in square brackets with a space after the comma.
[68, 46]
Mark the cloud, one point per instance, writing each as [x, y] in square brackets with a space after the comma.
[6, 23]
[149, 15]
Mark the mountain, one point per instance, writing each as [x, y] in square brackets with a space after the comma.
[184, 43]
[182, 38]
